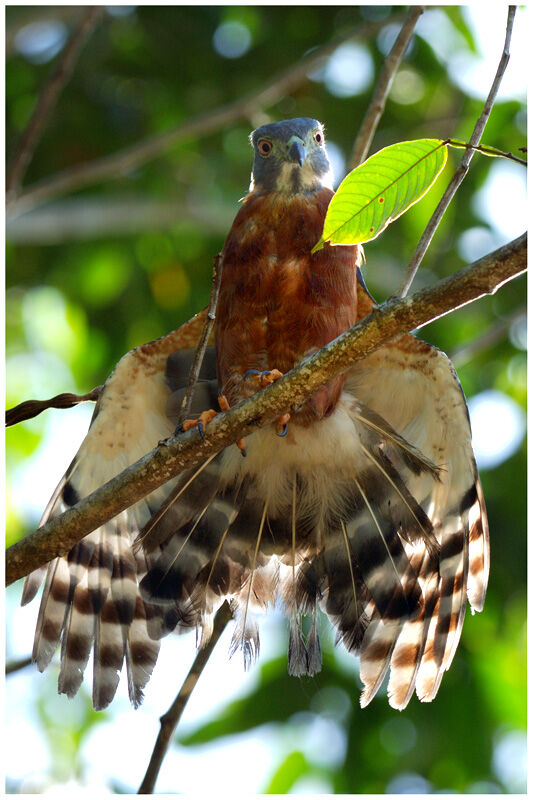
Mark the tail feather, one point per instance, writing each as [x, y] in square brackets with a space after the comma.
[375, 656]
[410, 646]
[51, 618]
[77, 639]
[141, 653]
[478, 550]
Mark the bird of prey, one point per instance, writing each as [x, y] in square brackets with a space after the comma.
[364, 501]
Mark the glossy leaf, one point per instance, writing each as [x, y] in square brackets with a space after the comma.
[382, 189]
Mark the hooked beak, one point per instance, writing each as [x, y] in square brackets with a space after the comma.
[297, 150]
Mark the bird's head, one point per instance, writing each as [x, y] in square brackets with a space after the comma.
[290, 156]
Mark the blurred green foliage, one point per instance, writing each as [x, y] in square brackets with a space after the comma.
[78, 299]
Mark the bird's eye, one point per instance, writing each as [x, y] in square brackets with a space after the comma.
[265, 147]
[319, 137]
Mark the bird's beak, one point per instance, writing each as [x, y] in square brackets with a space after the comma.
[297, 150]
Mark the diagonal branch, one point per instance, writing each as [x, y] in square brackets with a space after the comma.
[388, 72]
[170, 719]
[393, 318]
[48, 98]
[102, 169]
[462, 169]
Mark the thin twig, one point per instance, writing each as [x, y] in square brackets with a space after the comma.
[393, 318]
[170, 720]
[48, 99]
[381, 92]
[488, 338]
[462, 170]
[493, 152]
[18, 664]
[111, 166]
[31, 408]
[202, 342]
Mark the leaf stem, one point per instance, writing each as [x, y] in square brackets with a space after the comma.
[487, 150]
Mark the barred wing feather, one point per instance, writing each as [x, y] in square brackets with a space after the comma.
[415, 388]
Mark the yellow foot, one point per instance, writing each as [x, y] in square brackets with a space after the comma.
[224, 406]
[263, 379]
[200, 423]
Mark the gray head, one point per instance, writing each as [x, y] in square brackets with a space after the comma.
[290, 156]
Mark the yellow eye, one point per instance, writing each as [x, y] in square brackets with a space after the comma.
[265, 147]
[319, 137]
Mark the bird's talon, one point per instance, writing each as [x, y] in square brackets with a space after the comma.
[251, 372]
[200, 423]
[283, 423]
[223, 402]
[268, 376]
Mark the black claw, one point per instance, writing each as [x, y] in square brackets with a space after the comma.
[201, 429]
[178, 429]
[243, 452]
[284, 431]
[251, 372]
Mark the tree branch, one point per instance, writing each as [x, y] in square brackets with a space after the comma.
[393, 318]
[462, 169]
[32, 408]
[48, 98]
[381, 92]
[18, 664]
[111, 166]
[170, 720]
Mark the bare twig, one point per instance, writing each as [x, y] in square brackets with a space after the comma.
[170, 720]
[31, 408]
[488, 338]
[204, 338]
[488, 151]
[48, 98]
[388, 321]
[111, 166]
[18, 664]
[462, 170]
[381, 92]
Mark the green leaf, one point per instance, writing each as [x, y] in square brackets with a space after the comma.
[380, 190]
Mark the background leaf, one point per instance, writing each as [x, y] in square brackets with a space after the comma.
[382, 189]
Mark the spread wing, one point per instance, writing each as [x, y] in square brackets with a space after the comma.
[374, 513]
[91, 598]
[414, 388]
